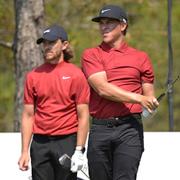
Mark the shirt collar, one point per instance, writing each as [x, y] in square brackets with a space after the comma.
[122, 48]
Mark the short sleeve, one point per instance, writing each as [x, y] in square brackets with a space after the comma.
[147, 74]
[80, 88]
[91, 62]
[28, 90]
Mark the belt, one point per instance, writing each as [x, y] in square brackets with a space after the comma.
[49, 137]
[116, 121]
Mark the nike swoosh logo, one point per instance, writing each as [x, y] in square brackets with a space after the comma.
[105, 10]
[66, 77]
[46, 31]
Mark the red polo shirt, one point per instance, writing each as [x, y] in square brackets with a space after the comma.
[56, 90]
[125, 67]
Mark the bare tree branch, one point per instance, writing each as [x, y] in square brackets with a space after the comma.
[8, 45]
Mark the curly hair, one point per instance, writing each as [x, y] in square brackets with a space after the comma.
[68, 53]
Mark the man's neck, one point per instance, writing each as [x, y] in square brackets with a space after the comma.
[55, 61]
[116, 44]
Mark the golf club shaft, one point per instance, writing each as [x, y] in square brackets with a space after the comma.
[146, 113]
[160, 97]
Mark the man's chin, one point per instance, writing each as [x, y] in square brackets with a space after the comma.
[105, 40]
[48, 58]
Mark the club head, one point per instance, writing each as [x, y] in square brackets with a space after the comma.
[65, 161]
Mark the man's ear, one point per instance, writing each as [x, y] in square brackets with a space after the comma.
[123, 26]
[65, 45]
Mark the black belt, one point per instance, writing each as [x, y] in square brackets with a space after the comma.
[49, 137]
[116, 121]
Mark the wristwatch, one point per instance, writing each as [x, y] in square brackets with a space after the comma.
[80, 148]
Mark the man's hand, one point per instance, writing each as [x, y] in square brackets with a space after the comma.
[77, 161]
[23, 162]
[149, 103]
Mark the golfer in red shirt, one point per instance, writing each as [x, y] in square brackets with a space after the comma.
[56, 97]
[121, 80]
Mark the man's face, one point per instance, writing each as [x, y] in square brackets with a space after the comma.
[111, 29]
[53, 50]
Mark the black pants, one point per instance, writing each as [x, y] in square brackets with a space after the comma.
[45, 153]
[114, 151]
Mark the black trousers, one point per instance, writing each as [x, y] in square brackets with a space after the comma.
[114, 151]
[45, 153]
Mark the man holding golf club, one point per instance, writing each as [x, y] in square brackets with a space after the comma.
[121, 80]
[55, 114]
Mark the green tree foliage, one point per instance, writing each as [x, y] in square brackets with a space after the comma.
[147, 31]
[6, 65]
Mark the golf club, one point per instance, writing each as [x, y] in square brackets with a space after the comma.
[65, 161]
[146, 113]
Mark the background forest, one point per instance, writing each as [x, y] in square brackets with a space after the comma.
[147, 31]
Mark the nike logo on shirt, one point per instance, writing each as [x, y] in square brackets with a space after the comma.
[66, 77]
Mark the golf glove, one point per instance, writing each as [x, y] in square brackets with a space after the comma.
[77, 161]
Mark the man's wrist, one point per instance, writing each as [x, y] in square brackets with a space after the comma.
[80, 148]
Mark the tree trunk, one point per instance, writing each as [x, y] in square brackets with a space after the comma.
[27, 54]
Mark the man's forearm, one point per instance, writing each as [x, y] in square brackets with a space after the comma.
[83, 124]
[27, 126]
[114, 93]
[82, 133]
[26, 133]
